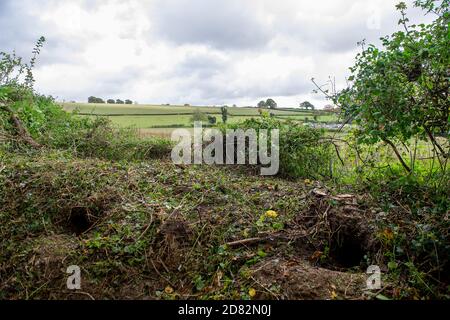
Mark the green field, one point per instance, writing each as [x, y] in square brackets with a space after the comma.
[157, 117]
[108, 109]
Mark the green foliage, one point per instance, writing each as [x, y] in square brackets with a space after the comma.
[307, 105]
[402, 90]
[413, 235]
[14, 73]
[224, 111]
[128, 101]
[93, 99]
[212, 120]
[304, 152]
[119, 101]
[111, 101]
[262, 104]
[271, 104]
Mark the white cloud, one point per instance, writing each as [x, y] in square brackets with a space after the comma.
[196, 51]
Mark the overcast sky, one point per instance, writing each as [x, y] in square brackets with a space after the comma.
[202, 52]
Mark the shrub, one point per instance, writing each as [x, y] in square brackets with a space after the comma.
[224, 111]
[212, 120]
[400, 91]
[304, 152]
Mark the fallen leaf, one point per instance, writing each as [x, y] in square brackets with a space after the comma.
[316, 255]
[168, 290]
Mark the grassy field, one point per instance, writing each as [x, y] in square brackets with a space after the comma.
[158, 118]
[111, 109]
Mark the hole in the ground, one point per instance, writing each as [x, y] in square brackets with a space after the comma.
[348, 250]
[80, 220]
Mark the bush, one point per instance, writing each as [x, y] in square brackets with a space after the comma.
[400, 91]
[52, 127]
[413, 232]
[212, 120]
[304, 152]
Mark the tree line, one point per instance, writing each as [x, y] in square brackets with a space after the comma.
[93, 99]
[271, 104]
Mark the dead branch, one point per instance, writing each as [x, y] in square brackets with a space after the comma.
[22, 132]
[283, 237]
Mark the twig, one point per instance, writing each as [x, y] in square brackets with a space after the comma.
[271, 237]
[86, 294]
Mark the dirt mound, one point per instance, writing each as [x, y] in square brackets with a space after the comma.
[299, 280]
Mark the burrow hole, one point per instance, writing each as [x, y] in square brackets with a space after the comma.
[348, 248]
[80, 220]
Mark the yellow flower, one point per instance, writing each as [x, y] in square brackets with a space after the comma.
[333, 295]
[168, 290]
[271, 214]
[307, 181]
[252, 292]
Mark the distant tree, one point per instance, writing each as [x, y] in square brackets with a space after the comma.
[262, 104]
[271, 104]
[234, 106]
[224, 114]
[307, 105]
[111, 101]
[187, 105]
[93, 99]
[212, 120]
[128, 101]
[118, 101]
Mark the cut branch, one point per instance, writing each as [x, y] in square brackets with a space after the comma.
[22, 132]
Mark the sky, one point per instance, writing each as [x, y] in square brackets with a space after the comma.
[201, 52]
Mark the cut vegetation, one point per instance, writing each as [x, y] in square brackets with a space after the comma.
[78, 186]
